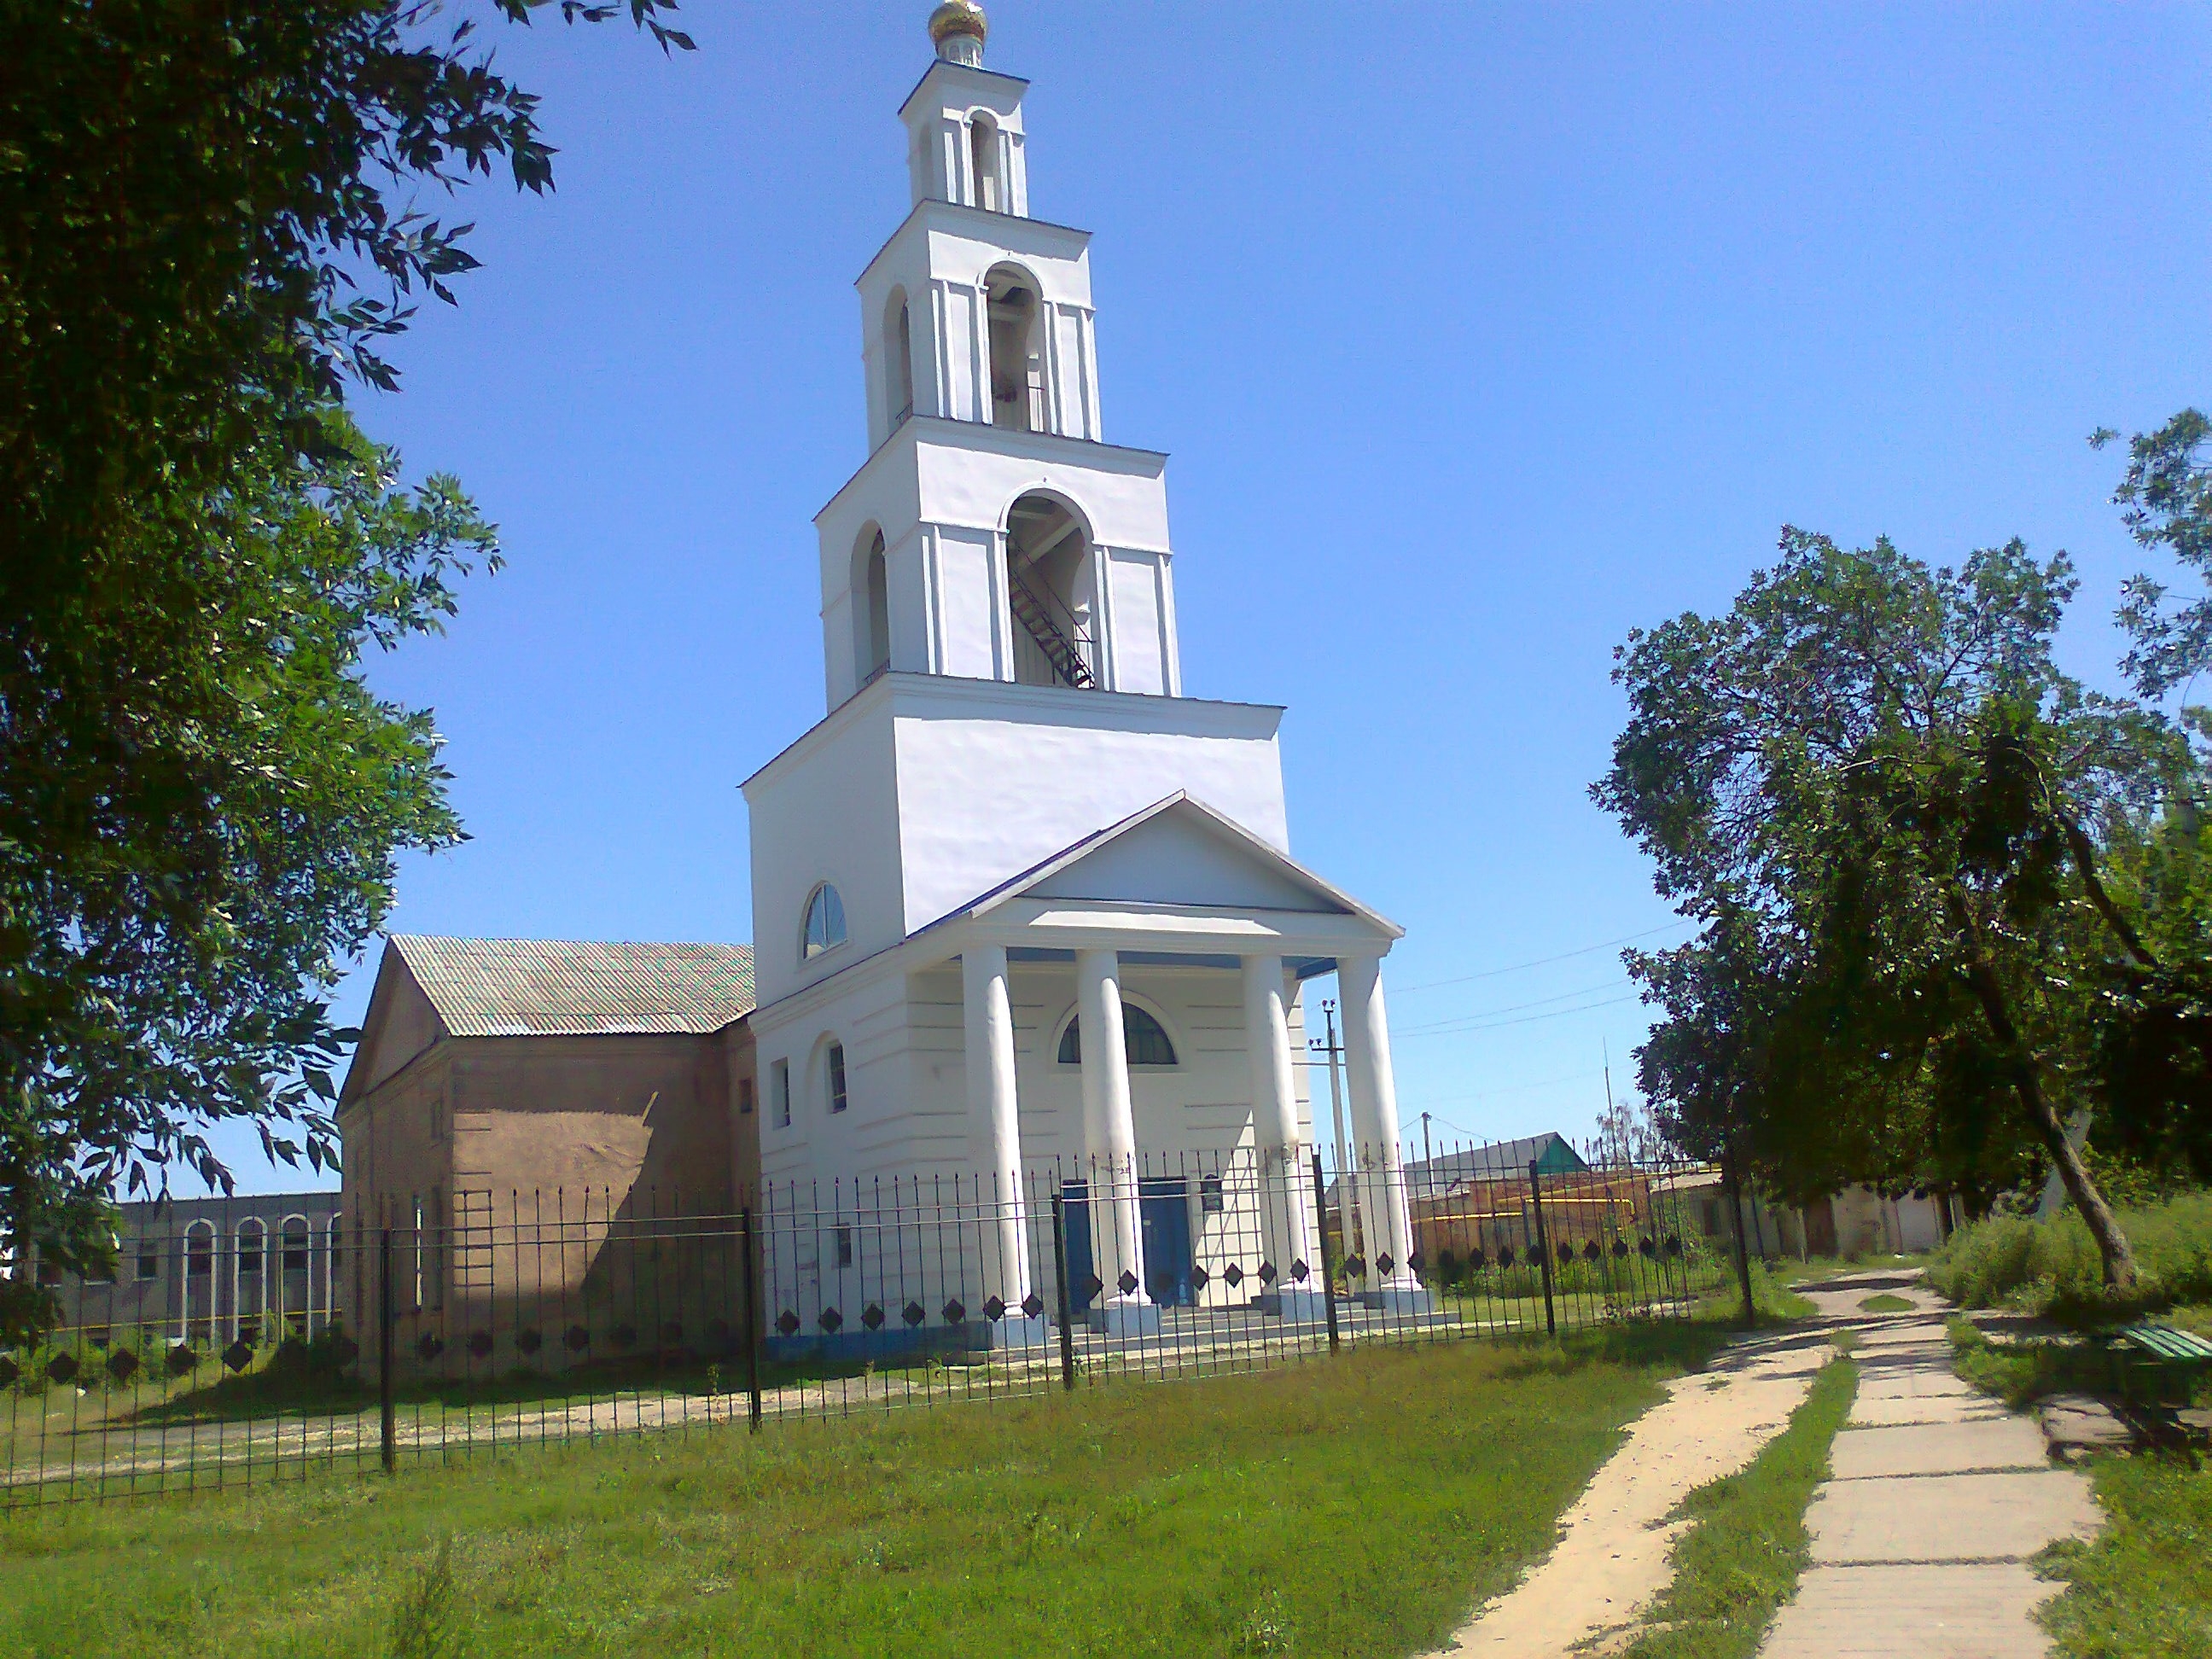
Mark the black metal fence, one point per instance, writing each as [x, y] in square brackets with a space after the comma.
[558, 1317]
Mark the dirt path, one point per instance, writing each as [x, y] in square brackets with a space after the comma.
[1611, 1561]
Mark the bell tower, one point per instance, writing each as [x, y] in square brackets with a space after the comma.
[1000, 664]
[992, 533]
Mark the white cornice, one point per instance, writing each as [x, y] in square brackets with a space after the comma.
[1063, 241]
[1127, 711]
[998, 440]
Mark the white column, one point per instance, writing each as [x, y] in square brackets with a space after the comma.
[991, 1097]
[1283, 1179]
[1109, 1132]
[1375, 1121]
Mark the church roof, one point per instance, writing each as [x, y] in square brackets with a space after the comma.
[578, 988]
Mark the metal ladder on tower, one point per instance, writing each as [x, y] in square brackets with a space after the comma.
[1059, 650]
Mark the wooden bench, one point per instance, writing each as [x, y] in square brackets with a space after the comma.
[2170, 1361]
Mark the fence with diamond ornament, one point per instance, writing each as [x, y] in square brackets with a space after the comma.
[542, 1317]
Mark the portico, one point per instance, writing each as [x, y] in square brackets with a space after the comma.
[1081, 908]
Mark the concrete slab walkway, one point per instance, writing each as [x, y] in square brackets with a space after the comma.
[1938, 1498]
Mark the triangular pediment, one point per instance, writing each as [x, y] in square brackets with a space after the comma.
[1180, 851]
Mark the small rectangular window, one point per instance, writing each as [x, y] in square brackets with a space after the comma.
[745, 1097]
[844, 1247]
[779, 1088]
[836, 1077]
[1209, 1195]
[49, 1273]
[149, 1264]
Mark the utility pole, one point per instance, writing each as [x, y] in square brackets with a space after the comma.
[1427, 1156]
[1346, 1163]
[1612, 1130]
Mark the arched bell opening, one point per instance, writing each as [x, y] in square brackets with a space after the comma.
[1016, 357]
[983, 163]
[871, 608]
[1048, 586]
[898, 359]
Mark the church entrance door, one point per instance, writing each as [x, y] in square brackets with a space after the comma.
[1163, 1206]
[1164, 1211]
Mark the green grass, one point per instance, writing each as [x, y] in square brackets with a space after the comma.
[1360, 1506]
[1772, 1297]
[1742, 1558]
[2052, 1268]
[2140, 1589]
[2020, 1373]
[1885, 1303]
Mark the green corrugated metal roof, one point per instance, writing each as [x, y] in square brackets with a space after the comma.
[578, 988]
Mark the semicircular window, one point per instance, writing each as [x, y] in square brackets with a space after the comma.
[825, 921]
[1143, 1039]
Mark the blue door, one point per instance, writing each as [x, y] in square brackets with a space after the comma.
[1162, 1211]
[1075, 1217]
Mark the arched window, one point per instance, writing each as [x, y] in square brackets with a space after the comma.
[825, 921]
[898, 349]
[879, 611]
[295, 1244]
[1144, 1040]
[983, 156]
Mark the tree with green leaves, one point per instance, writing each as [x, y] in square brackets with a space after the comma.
[1889, 810]
[209, 228]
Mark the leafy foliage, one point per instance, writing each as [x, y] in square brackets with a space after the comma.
[1871, 784]
[209, 226]
[2167, 497]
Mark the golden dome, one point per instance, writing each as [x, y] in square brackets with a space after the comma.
[958, 17]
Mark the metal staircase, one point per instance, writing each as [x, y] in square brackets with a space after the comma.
[1061, 652]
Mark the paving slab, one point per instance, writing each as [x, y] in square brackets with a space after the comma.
[1949, 1517]
[1889, 1412]
[1947, 1611]
[1959, 1448]
[2076, 1423]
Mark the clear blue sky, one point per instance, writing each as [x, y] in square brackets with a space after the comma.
[1478, 336]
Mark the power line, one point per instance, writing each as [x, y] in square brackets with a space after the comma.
[1513, 1008]
[1540, 961]
[1525, 1019]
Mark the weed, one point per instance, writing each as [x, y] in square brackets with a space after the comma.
[426, 1624]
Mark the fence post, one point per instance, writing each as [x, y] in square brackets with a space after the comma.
[1060, 1274]
[386, 1406]
[752, 1321]
[1742, 1254]
[1543, 1250]
[1327, 1278]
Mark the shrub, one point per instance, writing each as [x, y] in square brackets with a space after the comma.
[2052, 1266]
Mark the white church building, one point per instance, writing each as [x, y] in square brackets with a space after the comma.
[1020, 906]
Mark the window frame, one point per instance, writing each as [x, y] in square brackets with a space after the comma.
[1069, 1035]
[779, 1073]
[836, 1086]
[824, 895]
